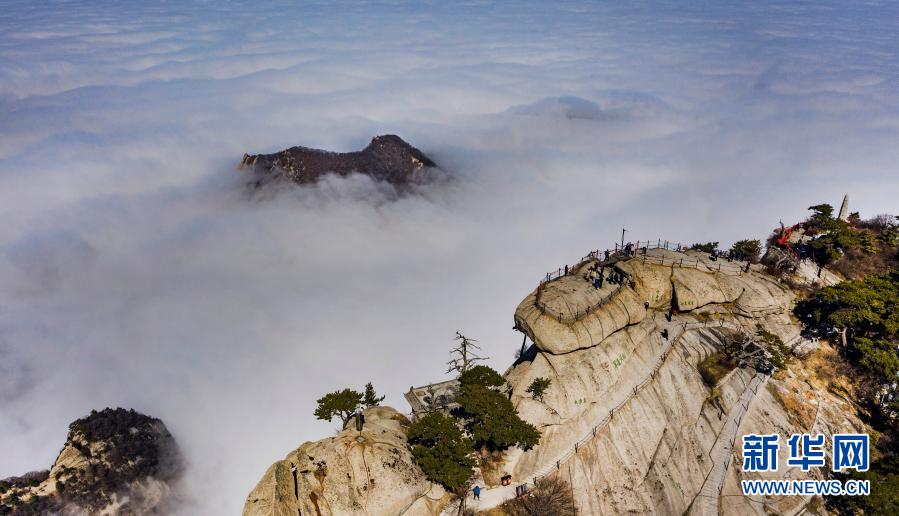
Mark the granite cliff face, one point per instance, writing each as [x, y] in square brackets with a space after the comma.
[367, 472]
[652, 436]
[387, 158]
[113, 462]
[629, 419]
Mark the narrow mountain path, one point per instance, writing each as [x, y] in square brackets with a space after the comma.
[706, 502]
[493, 497]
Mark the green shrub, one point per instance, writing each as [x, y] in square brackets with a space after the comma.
[747, 250]
[538, 387]
[778, 352]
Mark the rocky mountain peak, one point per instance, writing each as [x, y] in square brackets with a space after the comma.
[387, 158]
[114, 460]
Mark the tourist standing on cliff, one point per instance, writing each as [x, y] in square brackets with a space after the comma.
[477, 492]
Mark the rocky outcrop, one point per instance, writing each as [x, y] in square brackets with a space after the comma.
[113, 462]
[367, 472]
[387, 158]
[571, 314]
[652, 437]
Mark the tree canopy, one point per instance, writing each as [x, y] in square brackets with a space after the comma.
[837, 237]
[777, 352]
[884, 497]
[481, 375]
[868, 312]
[346, 402]
[538, 387]
[820, 213]
[707, 247]
[441, 450]
[343, 404]
[489, 416]
[747, 250]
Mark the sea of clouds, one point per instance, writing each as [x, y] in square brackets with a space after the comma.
[137, 271]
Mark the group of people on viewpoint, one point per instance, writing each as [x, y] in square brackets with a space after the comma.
[596, 276]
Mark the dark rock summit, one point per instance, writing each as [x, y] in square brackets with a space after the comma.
[113, 462]
[387, 158]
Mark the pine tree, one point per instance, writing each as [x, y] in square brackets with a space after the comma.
[441, 450]
[342, 404]
[371, 398]
[538, 388]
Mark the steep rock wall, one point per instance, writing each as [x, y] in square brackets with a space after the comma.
[655, 454]
[368, 472]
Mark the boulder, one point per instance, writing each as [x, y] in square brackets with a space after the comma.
[694, 289]
[554, 336]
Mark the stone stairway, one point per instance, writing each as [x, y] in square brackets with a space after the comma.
[706, 502]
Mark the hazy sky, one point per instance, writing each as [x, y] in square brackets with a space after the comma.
[136, 271]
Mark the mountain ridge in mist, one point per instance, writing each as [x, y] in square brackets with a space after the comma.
[387, 158]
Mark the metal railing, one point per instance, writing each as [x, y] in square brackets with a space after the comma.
[611, 255]
[714, 481]
[633, 250]
[724, 267]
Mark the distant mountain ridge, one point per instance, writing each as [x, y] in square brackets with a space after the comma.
[387, 158]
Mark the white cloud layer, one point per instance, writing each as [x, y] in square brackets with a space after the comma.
[136, 271]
